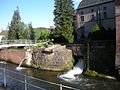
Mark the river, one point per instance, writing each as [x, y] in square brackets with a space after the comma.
[82, 83]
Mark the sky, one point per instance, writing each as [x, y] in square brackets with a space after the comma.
[39, 12]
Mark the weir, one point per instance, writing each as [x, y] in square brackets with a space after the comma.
[77, 70]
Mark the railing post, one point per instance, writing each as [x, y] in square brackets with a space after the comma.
[60, 86]
[25, 82]
[4, 78]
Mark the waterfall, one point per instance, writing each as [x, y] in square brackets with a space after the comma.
[19, 66]
[78, 69]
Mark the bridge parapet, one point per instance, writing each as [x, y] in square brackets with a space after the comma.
[6, 42]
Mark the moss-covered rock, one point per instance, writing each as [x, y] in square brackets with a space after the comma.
[55, 58]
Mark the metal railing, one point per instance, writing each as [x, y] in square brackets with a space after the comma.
[4, 42]
[21, 81]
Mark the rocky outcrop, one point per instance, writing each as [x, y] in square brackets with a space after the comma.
[55, 58]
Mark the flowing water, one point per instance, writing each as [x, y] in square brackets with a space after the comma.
[19, 66]
[81, 82]
[78, 69]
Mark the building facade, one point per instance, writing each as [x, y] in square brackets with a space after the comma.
[92, 12]
[117, 2]
[2, 34]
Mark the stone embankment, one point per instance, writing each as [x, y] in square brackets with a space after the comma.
[56, 57]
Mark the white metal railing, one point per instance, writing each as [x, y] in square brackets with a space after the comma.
[26, 80]
[4, 42]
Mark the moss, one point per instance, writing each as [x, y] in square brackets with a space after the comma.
[69, 66]
[96, 74]
[91, 73]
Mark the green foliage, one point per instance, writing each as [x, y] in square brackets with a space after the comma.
[42, 34]
[96, 74]
[40, 45]
[32, 35]
[18, 29]
[100, 33]
[31, 47]
[63, 21]
[96, 28]
[91, 73]
[14, 27]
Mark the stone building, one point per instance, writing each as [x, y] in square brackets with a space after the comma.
[2, 34]
[92, 12]
[117, 7]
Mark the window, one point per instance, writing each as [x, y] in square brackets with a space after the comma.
[92, 17]
[82, 18]
[92, 10]
[104, 8]
[81, 12]
[105, 15]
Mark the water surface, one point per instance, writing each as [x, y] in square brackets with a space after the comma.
[82, 82]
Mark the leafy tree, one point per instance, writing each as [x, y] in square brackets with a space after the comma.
[42, 34]
[23, 32]
[14, 27]
[32, 36]
[63, 20]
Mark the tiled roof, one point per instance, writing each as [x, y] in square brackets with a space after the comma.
[86, 3]
[3, 32]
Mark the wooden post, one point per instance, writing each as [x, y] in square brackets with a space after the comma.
[88, 56]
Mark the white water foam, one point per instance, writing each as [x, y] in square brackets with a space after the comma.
[3, 62]
[78, 69]
[20, 68]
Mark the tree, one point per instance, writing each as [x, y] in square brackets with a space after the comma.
[23, 31]
[14, 27]
[64, 20]
[32, 35]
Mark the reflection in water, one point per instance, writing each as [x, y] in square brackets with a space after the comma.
[83, 82]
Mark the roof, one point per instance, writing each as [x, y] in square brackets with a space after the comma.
[3, 32]
[86, 3]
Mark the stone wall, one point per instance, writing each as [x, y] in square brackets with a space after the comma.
[117, 2]
[101, 55]
[14, 56]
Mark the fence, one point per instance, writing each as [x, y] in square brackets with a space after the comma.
[19, 42]
[21, 81]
